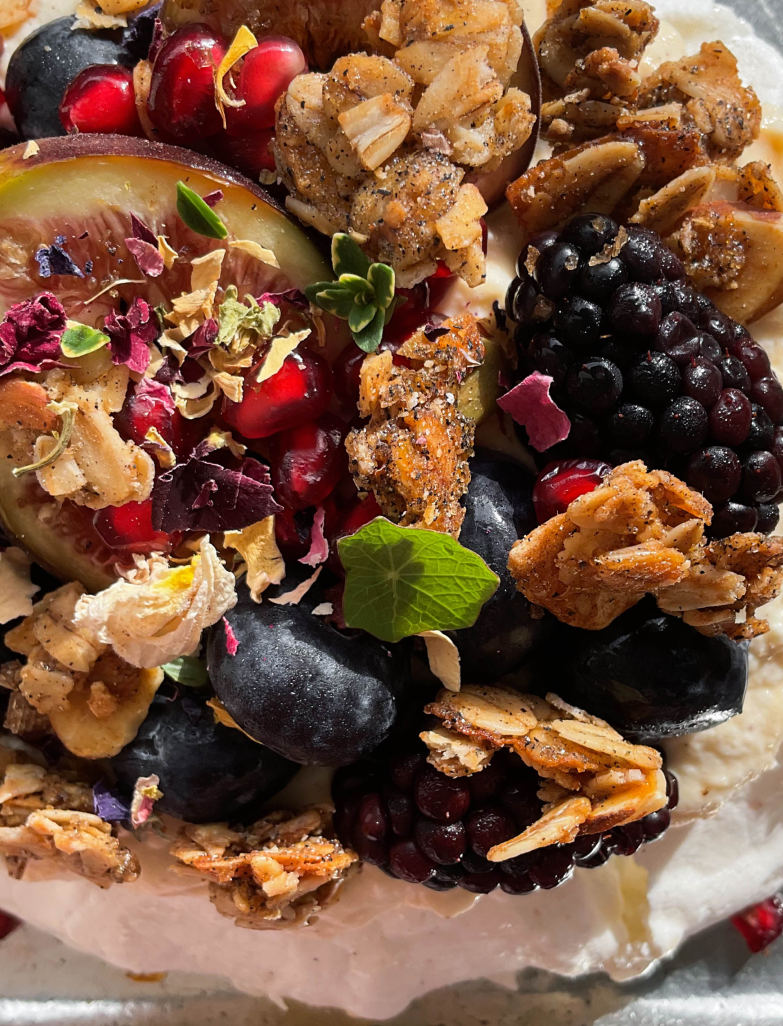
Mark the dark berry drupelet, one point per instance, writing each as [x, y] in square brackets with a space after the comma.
[648, 368]
[422, 826]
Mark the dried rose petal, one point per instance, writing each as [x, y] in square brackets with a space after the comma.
[319, 546]
[213, 198]
[530, 404]
[202, 339]
[30, 334]
[141, 231]
[293, 297]
[232, 644]
[131, 335]
[148, 258]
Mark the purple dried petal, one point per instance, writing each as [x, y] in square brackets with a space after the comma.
[54, 260]
[530, 404]
[148, 258]
[142, 232]
[232, 643]
[169, 371]
[148, 388]
[319, 546]
[213, 198]
[131, 335]
[202, 495]
[30, 334]
[202, 339]
[293, 297]
[107, 805]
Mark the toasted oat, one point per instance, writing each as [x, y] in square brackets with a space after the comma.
[414, 452]
[45, 816]
[592, 778]
[642, 532]
[279, 872]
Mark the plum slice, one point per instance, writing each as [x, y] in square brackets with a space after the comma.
[85, 188]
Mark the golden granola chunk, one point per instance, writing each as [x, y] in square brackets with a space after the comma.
[414, 452]
[276, 873]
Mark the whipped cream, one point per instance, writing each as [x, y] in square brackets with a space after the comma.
[386, 942]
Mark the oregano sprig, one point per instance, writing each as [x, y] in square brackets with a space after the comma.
[363, 293]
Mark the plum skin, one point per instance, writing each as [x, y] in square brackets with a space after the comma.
[498, 510]
[310, 692]
[207, 772]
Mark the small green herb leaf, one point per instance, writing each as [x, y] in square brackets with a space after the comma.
[336, 301]
[199, 217]
[360, 317]
[369, 338]
[381, 277]
[188, 671]
[81, 340]
[347, 256]
[400, 581]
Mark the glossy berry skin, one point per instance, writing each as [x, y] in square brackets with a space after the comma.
[129, 528]
[649, 675]
[43, 66]
[249, 154]
[307, 462]
[266, 72]
[300, 391]
[207, 772]
[139, 413]
[761, 924]
[101, 99]
[181, 102]
[561, 482]
[498, 510]
[297, 684]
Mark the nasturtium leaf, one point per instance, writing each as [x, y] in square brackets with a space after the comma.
[381, 277]
[81, 340]
[197, 215]
[369, 338]
[348, 257]
[188, 671]
[400, 581]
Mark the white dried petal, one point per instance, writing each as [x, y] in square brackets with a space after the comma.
[443, 656]
[16, 588]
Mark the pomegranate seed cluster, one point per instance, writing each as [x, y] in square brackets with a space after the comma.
[419, 825]
[647, 368]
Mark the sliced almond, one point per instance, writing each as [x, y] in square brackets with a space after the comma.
[558, 826]
[607, 742]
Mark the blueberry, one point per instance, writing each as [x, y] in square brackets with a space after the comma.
[498, 510]
[207, 771]
[44, 64]
[651, 676]
[297, 684]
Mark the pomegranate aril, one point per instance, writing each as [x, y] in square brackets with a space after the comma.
[561, 482]
[292, 533]
[442, 798]
[129, 528]
[101, 99]
[307, 462]
[266, 72]
[249, 154]
[300, 391]
[761, 924]
[408, 863]
[360, 513]
[372, 818]
[443, 843]
[142, 412]
[489, 826]
[346, 369]
[181, 103]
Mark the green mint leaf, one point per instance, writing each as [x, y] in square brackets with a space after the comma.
[347, 256]
[188, 671]
[199, 217]
[361, 316]
[400, 581]
[80, 340]
[381, 277]
[369, 338]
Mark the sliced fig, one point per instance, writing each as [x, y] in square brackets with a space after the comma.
[84, 188]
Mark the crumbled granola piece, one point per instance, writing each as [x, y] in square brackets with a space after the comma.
[45, 816]
[712, 244]
[414, 452]
[453, 754]
[726, 113]
[276, 873]
[592, 779]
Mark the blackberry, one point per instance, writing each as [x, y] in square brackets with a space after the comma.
[648, 368]
[419, 825]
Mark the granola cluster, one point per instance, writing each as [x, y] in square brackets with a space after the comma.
[592, 778]
[381, 145]
[413, 454]
[642, 532]
[279, 872]
[46, 816]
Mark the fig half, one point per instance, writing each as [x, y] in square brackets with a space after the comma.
[84, 188]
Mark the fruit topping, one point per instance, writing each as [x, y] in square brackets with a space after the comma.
[276, 873]
[42, 66]
[206, 771]
[94, 700]
[413, 453]
[308, 461]
[761, 924]
[650, 369]
[45, 815]
[181, 102]
[648, 674]
[498, 510]
[101, 99]
[643, 532]
[561, 482]
[267, 71]
[423, 826]
[129, 528]
[303, 688]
